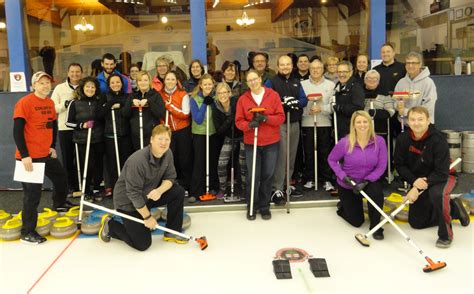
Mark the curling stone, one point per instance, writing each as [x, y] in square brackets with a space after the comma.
[394, 200]
[186, 218]
[43, 226]
[4, 216]
[73, 213]
[11, 230]
[63, 227]
[48, 214]
[91, 225]
[403, 214]
[156, 213]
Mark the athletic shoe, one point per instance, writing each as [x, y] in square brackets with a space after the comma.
[174, 238]
[220, 195]
[32, 238]
[64, 207]
[186, 193]
[266, 214]
[309, 185]
[443, 243]
[328, 187]
[192, 199]
[378, 235]
[462, 213]
[97, 196]
[104, 228]
[297, 192]
[108, 192]
[292, 187]
[278, 197]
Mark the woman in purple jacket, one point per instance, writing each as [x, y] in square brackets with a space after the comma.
[361, 157]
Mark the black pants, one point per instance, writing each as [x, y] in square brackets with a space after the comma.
[350, 207]
[182, 146]
[32, 193]
[198, 180]
[95, 164]
[124, 150]
[324, 144]
[433, 208]
[68, 157]
[264, 169]
[136, 235]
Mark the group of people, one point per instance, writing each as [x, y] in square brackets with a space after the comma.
[161, 136]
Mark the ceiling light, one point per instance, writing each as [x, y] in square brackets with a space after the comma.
[255, 2]
[3, 25]
[83, 26]
[244, 20]
[164, 19]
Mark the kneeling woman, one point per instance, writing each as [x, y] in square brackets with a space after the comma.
[361, 157]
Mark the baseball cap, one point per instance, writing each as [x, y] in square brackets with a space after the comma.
[38, 75]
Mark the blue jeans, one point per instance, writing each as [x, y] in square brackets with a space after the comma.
[264, 168]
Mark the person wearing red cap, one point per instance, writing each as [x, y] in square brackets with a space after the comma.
[34, 130]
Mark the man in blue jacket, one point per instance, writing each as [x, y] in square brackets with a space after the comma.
[109, 63]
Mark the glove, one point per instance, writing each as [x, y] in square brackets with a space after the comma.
[260, 118]
[359, 187]
[66, 103]
[372, 112]
[254, 124]
[88, 124]
[208, 100]
[348, 180]
[291, 103]
[337, 108]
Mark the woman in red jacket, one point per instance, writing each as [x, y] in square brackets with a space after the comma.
[178, 118]
[268, 123]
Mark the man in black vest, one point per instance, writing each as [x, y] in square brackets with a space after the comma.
[293, 99]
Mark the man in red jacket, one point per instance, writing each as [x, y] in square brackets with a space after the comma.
[268, 123]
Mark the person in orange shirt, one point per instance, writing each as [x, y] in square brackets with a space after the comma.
[178, 118]
[34, 130]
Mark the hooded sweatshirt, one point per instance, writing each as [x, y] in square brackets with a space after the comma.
[425, 157]
[425, 85]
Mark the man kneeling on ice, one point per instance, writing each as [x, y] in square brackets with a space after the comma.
[148, 180]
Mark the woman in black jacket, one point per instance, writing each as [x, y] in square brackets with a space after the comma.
[229, 137]
[153, 110]
[115, 101]
[81, 116]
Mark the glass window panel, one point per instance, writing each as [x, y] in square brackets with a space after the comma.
[120, 27]
[441, 30]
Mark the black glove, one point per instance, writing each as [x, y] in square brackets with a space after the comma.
[254, 124]
[260, 118]
[359, 187]
[337, 108]
[348, 180]
[66, 103]
[372, 112]
[208, 100]
[290, 103]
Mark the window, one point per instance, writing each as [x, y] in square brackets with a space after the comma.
[4, 62]
[332, 28]
[133, 31]
[440, 29]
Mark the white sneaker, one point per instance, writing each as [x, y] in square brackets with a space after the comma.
[309, 185]
[292, 188]
[329, 187]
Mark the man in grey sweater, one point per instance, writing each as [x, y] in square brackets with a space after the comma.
[419, 85]
[148, 180]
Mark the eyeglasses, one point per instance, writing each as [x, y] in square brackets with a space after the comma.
[412, 63]
[223, 93]
[252, 81]
[343, 72]
[371, 79]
